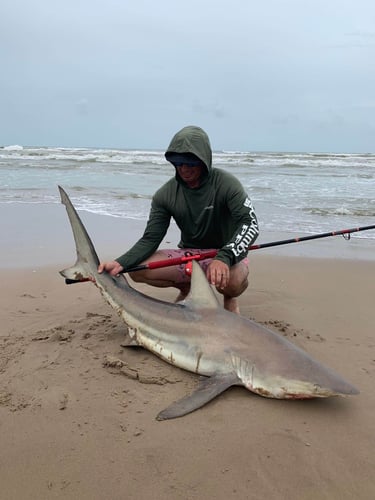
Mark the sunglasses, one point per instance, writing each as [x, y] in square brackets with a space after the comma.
[187, 163]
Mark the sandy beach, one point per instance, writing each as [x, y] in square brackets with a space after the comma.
[73, 427]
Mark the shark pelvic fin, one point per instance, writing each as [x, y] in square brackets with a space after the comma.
[208, 388]
[129, 342]
[201, 295]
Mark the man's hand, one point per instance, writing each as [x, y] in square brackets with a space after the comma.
[218, 274]
[112, 267]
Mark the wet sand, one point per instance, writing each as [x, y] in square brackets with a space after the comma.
[73, 426]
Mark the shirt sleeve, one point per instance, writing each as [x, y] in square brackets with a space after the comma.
[156, 229]
[247, 231]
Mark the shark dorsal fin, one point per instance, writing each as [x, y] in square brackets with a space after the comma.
[201, 295]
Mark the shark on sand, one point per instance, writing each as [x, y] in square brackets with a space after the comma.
[200, 336]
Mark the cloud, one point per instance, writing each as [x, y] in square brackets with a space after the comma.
[208, 108]
[254, 73]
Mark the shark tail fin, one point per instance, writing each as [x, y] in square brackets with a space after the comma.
[87, 259]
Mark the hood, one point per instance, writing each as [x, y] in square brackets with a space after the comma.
[193, 140]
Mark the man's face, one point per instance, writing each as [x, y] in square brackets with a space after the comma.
[190, 175]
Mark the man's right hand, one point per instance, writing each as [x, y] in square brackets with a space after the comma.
[112, 267]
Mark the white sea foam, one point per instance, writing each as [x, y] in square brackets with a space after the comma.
[292, 192]
[14, 147]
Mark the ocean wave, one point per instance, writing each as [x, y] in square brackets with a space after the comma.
[82, 155]
[344, 211]
[155, 158]
[300, 192]
[134, 196]
[13, 147]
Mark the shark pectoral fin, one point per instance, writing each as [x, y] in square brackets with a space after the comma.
[208, 388]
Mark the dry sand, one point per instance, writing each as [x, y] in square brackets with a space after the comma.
[73, 427]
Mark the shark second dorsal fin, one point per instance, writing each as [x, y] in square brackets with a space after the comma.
[201, 295]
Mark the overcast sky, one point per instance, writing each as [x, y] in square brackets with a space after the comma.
[271, 75]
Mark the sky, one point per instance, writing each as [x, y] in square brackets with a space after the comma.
[257, 75]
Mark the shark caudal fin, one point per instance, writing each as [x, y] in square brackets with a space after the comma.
[87, 259]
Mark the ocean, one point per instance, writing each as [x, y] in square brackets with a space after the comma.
[295, 193]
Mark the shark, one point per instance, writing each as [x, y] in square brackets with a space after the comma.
[200, 336]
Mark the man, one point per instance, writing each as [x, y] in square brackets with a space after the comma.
[212, 211]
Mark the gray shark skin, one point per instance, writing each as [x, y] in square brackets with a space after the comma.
[200, 336]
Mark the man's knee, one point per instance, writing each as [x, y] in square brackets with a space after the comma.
[243, 286]
[239, 280]
[235, 289]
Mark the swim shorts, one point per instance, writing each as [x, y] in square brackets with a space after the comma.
[172, 253]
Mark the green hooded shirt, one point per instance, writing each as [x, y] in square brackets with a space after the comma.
[217, 214]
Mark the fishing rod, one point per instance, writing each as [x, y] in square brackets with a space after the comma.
[212, 253]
